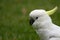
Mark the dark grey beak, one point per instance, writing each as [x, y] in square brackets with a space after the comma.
[31, 21]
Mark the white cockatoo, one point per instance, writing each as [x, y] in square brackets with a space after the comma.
[43, 25]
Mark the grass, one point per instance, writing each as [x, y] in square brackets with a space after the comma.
[14, 18]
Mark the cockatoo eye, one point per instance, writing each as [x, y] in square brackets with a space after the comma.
[36, 17]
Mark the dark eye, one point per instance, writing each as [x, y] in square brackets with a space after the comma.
[36, 17]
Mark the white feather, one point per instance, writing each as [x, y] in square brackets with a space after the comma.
[44, 26]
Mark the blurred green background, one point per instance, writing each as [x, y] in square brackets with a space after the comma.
[14, 18]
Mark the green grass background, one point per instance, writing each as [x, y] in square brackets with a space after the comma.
[14, 18]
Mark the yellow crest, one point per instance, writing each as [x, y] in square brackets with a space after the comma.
[50, 12]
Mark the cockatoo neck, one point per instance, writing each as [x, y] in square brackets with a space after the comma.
[43, 22]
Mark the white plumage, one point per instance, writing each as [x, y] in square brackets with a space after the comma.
[44, 26]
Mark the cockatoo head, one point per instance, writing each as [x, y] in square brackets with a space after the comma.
[40, 13]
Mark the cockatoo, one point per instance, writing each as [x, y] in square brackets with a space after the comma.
[43, 25]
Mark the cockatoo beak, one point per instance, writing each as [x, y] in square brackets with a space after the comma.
[50, 12]
[31, 21]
